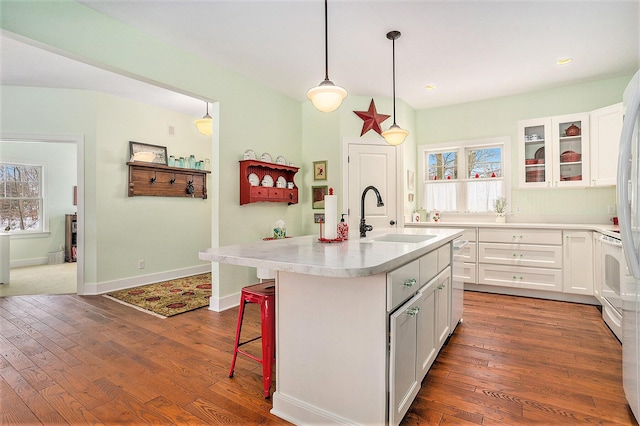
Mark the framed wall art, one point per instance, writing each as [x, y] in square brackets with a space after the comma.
[320, 170]
[317, 194]
[147, 153]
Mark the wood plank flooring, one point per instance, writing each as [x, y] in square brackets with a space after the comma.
[79, 360]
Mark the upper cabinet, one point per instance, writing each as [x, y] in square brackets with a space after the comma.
[570, 150]
[606, 128]
[574, 150]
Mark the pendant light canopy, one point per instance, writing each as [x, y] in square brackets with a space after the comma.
[326, 96]
[395, 135]
[204, 124]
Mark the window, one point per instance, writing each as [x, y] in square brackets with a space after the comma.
[21, 199]
[465, 176]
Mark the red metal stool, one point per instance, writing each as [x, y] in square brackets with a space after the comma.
[265, 295]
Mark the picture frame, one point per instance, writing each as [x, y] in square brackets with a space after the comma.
[318, 217]
[160, 152]
[320, 170]
[317, 196]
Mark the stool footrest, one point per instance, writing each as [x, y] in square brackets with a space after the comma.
[250, 356]
[249, 341]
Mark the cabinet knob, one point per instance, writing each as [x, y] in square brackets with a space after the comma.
[409, 283]
[441, 286]
[413, 312]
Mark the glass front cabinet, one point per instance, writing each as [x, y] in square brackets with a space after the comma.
[554, 151]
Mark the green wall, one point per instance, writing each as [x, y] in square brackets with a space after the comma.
[60, 171]
[499, 117]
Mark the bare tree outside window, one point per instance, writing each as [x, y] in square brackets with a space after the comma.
[20, 197]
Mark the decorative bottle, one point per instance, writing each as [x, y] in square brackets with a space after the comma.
[343, 229]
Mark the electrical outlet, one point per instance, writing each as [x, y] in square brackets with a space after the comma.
[518, 209]
[611, 209]
[140, 264]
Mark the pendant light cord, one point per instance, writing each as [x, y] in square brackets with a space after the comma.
[326, 43]
[393, 43]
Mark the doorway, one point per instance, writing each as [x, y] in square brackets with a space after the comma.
[36, 267]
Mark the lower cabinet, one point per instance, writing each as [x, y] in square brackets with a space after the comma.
[418, 329]
[578, 262]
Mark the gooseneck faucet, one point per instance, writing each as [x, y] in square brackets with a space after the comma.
[363, 225]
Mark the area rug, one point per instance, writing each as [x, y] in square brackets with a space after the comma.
[167, 298]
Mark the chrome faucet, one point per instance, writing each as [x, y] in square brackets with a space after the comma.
[363, 225]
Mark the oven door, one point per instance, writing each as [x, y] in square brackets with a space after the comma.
[613, 271]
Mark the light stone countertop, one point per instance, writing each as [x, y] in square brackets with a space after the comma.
[603, 228]
[355, 257]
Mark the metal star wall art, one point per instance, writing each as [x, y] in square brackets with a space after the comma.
[371, 118]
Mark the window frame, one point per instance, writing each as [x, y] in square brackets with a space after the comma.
[44, 205]
[504, 142]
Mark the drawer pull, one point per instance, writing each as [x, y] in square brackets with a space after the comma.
[409, 283]
[518, 255]
[441, 286]
[413, 312]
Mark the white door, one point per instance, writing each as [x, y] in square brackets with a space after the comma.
[372, 165]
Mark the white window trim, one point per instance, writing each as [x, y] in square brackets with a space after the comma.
[504, 141]
[44, 231]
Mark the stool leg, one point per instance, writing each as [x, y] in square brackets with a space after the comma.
[238, 328]
[268, 343]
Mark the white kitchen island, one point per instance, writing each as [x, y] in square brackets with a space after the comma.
[338, 313]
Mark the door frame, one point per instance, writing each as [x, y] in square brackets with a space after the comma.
[346, 141]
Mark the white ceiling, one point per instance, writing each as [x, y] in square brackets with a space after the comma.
[470, 50]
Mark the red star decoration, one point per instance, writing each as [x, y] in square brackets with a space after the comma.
[372, 119]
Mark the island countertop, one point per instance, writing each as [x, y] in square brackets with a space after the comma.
[355, 257]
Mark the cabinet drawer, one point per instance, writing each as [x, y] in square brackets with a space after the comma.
[444, 256]
[428, 267]
[521, 255]
[470, 252]
[520, 236]
[469, 234]
[469, 273]
[402, 283]
[520, 277]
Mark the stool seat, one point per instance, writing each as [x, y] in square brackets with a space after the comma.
[263, 294]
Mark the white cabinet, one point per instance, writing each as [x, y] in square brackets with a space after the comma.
[574, 150]
[520, 258]
[578, 262]
[597, 266]
[418, 329]
[606, 127]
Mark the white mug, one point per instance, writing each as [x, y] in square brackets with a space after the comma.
[290, 185]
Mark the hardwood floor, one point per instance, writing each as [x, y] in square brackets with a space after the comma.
[79, 360]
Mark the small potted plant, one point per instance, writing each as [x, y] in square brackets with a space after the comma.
[500, 207]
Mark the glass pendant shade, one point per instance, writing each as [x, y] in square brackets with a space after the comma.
[205, 124]
[326, 97]
[395, 135]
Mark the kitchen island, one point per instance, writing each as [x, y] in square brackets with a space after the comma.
[347, 320]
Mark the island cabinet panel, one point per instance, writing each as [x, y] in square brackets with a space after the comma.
[259, 182]
[164, 181]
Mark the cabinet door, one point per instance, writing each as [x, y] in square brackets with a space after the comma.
[403, 379]
[571, 150]
[426, 328]
[578, 262]
[534, 153]
[606, 127]
[443, 306]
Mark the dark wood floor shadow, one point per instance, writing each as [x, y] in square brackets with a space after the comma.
[69, 359]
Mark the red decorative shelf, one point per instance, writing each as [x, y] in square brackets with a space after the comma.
[252, 194]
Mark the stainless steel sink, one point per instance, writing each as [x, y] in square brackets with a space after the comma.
[401, 238]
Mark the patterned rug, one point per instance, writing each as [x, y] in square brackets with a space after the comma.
[167, 298]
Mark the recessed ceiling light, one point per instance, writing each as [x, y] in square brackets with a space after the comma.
[430, 87]
[564, 61]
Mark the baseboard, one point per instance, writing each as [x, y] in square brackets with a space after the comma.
[224, 303]
[36, 261]
[107, 286]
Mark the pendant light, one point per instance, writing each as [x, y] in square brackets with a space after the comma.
[204, 124]
[326, 96]
[395, 135]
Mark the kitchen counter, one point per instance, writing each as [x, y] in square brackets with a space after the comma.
[333, 318]
[609, 229]
[355, 257]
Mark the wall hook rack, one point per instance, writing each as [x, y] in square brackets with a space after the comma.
[165, 181]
